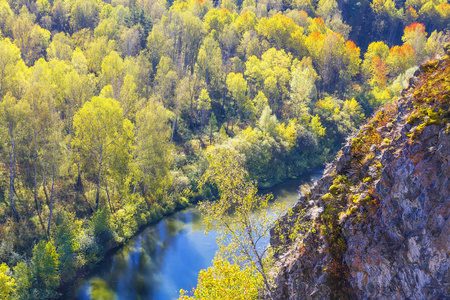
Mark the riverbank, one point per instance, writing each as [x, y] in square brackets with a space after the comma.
[87, 269]
[175, 241]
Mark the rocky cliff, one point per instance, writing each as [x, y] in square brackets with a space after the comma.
[379, 217]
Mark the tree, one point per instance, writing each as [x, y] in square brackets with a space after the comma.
[7, 284]
[96, 51]
[303, 88]
[327, 8]
[400, 59]
[272, 75]
[374, 64]
[237, 86]
[60, 15]
[45, 270]
[212, 126]
[40, 96]
[435, 44]
[113, 72]
[83, 14]
[13, 120]
[153, 149]
[65, 238]
[60, 47]
[240, 228]
[30, 38]
[102, 134]
[165, 81]
[416, 37]
[209, 62]
[282, 33]
[130, 40]
[225, 280]
[216, 19]
[9, 57]
[203, 105]
[6, 17]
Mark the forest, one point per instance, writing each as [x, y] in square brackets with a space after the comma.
[107, 109]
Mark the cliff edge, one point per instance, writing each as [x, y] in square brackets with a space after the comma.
[380, 213]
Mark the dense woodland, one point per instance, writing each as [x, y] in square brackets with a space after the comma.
[106, 108]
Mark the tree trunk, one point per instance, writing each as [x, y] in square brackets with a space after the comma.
[35, 178]
[79, 182]
[98, 182]
[51, 199]
[174, 126]
[210, 134]
[12, 175]
[109, 200]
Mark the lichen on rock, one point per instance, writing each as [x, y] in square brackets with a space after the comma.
[380, 213]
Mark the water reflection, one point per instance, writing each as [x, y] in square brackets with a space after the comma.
[164, 258]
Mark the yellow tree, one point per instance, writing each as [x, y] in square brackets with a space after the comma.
[13, 124]
[272, 75]
[400, 59]
[416, 36]
[30, 38]
[209, 63]
[225, 280]
[104, 135]
[113, 72]
[7, 284]
[237, 86]
[240, 229]
[152, 153]
[303, 88]
[282, 33]
[9, 57]
[375, 49]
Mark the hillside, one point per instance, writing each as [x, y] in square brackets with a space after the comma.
[107, 109]
[381, 210]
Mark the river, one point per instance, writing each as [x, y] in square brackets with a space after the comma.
[165, 257]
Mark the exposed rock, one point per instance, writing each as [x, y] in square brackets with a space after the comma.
[393, 213]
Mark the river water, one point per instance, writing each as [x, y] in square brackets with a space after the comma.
[165, 257]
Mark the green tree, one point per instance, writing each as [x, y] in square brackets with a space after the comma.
[83, 14]
[64, 236]
[103, 134]
[45, 270]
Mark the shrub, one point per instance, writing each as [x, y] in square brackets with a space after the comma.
[45, 270]
[7, 284]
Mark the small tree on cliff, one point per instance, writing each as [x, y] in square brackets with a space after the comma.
[241, 217]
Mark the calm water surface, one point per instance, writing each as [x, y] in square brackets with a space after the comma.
[165, 257]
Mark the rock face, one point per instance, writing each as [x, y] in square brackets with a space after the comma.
[381, 211]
